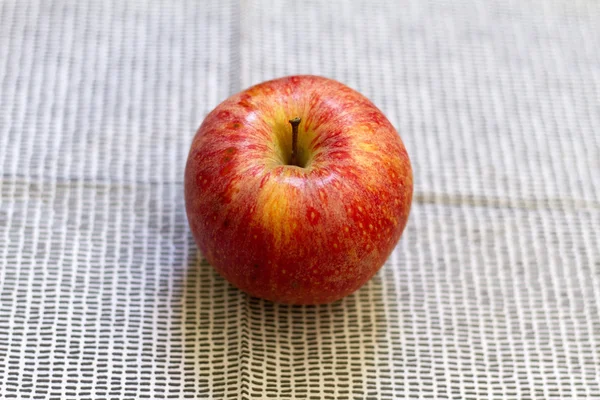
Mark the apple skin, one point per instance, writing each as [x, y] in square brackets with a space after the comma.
[285, 233]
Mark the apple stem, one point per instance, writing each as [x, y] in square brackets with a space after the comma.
[295, 122]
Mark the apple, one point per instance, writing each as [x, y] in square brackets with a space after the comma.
[297, 189]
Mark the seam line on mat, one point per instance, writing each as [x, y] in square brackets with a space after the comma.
[549, 203]
[235, 56]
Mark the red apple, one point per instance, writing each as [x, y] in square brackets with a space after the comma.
[307, 224]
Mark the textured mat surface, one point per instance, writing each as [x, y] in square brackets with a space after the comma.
[493, 292]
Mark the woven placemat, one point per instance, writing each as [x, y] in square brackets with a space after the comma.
[493, 291]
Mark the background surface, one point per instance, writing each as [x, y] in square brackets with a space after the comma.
[493, 291]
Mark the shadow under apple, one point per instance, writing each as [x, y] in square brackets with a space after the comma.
[236, 345]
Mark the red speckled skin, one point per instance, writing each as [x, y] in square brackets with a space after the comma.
[289, 234]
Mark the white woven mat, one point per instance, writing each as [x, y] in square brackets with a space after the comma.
[493, 291]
